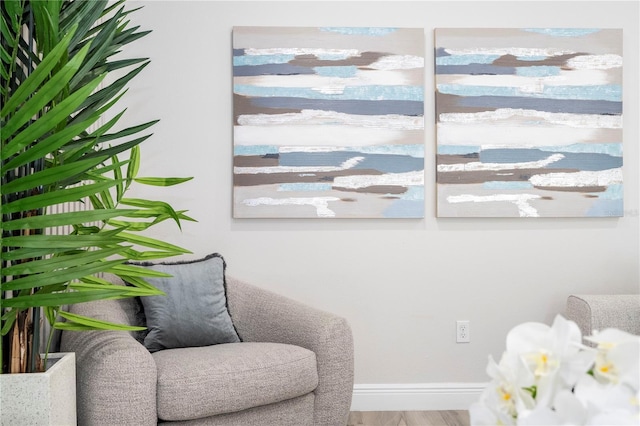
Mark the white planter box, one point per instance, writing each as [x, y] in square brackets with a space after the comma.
[47, 398]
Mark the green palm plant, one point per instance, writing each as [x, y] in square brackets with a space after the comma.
[59, 145]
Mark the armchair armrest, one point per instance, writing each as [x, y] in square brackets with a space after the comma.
[597, 312]
[115, 374]
[260, 315]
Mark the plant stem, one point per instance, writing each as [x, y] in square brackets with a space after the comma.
[48, 348]
[35, 346]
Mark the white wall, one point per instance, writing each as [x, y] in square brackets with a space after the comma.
[402, 284]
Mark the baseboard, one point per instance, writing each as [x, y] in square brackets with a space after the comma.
[415, 397]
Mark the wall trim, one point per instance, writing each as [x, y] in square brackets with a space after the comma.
[415, 396]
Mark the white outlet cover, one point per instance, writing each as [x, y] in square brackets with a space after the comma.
[463, 334]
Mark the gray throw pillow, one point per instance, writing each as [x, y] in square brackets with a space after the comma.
[194, 311]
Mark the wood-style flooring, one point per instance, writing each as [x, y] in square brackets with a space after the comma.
[408, 418]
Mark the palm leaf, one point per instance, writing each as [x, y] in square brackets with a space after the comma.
[50, 99]
[43, 125]
[36, 103]
[59, 299]
[61, 241]
[132, 291]
[63, 219]
[79, 322]
[51, 143]
[160, 205]
[61, 262]
[57, 197]
[19, 254]
[26, 89]
[49, 176]
[158, 181]
[151, 243]
[60, 276]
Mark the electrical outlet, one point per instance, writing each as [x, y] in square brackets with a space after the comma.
[462, 332]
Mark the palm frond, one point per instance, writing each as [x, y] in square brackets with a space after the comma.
[55, 55]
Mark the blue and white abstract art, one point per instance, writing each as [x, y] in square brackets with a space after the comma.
[529, 122]
[328, 122]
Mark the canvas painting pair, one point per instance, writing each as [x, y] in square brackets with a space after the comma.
[330, 122]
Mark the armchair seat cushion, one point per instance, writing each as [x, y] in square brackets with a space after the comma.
[206, 381]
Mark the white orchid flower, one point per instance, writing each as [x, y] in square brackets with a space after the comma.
[608, 403]
[618, 359]
[511, 378]
[567, 410]
[547, 376]
[554, 355]
[505, 395]
[486, 413]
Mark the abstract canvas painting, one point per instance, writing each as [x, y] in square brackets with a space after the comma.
[529, 122]
[328, 122]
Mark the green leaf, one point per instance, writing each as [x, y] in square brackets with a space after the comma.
[60, 241]
[87, 323]
[47, 121]
[151, 243]
[51, 313]
[136, 271]
[73, 12]
[51, 143]
[104, 169]
[146, 213]
[159, 181]
[51, 175]
[95, 280]
[42, 97]
[97, 99]
[148, 255]
[138, 282]
[85, 230]
[60, 276]
[14, 9]
[115, 150]
[8, 319]
[61, 262]
[131, 226]
[130, 35]
[112, 7]
[164, 207]
[117, 175]
[116, 65]
[79, 147]
[30, 253]
[107, 126]
[46, 15]
[134, 165]
[99, 43]
[29, 86]
[60, 299]
[63, 219]
[142, 225]
[56, 197]
[127, 132]
[86, 20]
[106, 198]
[96, 203]
[131, 290]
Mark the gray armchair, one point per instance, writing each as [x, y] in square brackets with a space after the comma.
[593, 312]
[293, 367]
